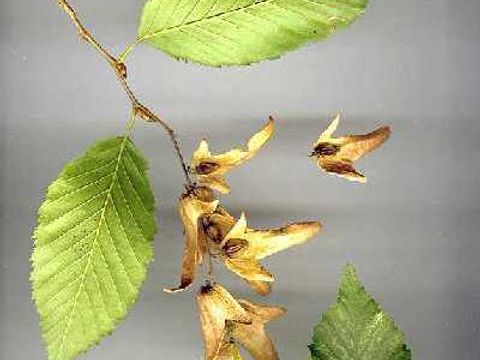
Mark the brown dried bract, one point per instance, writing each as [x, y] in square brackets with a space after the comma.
[217, 227]
[211, 169]
[242, 248]
[228, 351]
[253, 336]
[337, 155]
[226, 322]
[194, 206]
[216, 307]
[262, 288]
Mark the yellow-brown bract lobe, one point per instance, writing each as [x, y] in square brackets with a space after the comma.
[253, 337]
[337, 155]
[210, 170]
[229, 351]
[216, 306]
[193, 207]
[226, 322]
[242, 248]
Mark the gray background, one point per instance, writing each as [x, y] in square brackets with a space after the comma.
[412, 231]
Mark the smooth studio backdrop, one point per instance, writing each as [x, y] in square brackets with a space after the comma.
[413, 230]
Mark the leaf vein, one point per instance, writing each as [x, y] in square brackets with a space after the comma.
[195, 22]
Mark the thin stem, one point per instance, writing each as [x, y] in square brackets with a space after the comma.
[121, 71]
[128, 50]
[130, 123]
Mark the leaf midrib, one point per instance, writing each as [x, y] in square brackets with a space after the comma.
[193, 22]
[219, 15]
[95, 241]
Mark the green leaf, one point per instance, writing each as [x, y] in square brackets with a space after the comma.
[92, 246]
[240, 32]
[356, 328]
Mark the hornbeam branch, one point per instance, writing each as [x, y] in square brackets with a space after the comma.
[120, 70]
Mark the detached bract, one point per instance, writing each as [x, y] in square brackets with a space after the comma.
[337, 155]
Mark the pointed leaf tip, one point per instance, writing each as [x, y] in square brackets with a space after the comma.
[357, 326]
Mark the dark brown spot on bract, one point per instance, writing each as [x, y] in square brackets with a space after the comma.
[234, 246]
[215, 232]
[343, 168]
[206, 289]
[206, 168]
[326, 149]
